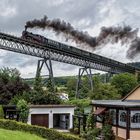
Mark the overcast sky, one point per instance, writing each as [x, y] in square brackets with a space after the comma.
[85, 15]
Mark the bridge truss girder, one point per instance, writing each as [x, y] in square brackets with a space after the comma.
[37, 50]
[47, 51]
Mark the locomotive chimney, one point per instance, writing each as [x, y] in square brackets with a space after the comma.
[25, 28]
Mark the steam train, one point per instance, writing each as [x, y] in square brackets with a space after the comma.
[33, 37]
[67, 48]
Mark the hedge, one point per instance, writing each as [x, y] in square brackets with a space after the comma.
[1, 112]
[50, 134]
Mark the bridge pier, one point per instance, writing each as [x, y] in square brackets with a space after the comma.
[79, 79]
[47, 62]
[108, 77]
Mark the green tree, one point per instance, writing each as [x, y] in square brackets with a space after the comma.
[44, 98]
[79, 103]
[27, 96]
[71, 84]
[96, 83]
[11, 84]
[124, 83]
[38, 84]
[105, 92]
[22, 106]
[71, 87]
[50, 86]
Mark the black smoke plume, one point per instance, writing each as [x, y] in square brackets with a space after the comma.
[111, 34]
[60, 26]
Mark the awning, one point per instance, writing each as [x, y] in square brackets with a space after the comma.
[99, 111]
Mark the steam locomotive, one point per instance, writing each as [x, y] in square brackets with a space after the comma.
[33, 37]
[67, 48]
[42, 40]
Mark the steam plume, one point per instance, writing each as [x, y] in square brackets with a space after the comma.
[111, 34]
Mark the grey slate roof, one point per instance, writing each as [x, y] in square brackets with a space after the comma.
[117, 103]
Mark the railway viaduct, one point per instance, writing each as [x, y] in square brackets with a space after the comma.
[66, 54]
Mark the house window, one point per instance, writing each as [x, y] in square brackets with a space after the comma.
[113, 115]
[99, 118]
[136, 118]
[123, 117]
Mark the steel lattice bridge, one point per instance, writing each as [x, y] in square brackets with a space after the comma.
[57, 51]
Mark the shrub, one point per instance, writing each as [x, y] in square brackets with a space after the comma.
[91, 134]
[108, 132]
[50, 134]
[1, 112]
[75, 131]
[22, 106]
[91, 121]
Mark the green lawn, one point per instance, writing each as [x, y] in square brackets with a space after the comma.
[17, 135]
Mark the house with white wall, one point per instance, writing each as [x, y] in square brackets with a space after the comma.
[51, 116]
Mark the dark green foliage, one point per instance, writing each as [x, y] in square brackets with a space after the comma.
[22, 106]
[27, 96]
[107, 132]
[34, 97]
[92, 134]
[45, 98]
[83, 89]
[61, 81]
[124, 83]
[38, 84]
[105, 92]
[40, 96]
[71, 84]
[50, 86]
[47, 133]
[10, 85]
[1, 112]
[91, 121]
[79, 103]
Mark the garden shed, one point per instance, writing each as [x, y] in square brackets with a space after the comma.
[51, 116]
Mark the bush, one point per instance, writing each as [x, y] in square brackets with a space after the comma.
[91, 121]
[50, 134]
[27, 96]
[79, 103]
[1, 112]
[92, 134]
[22, 106]
[75, 131]
[108, 132]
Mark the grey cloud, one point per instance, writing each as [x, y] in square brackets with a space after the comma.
[17, 60]
[29, 62]
[64, 66]
[69, 10]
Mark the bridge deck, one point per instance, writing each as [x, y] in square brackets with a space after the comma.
[63, 53]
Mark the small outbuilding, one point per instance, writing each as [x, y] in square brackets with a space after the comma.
[51, 116]
[125, 114]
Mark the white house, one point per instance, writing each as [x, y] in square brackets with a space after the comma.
[63, 96]
[51, 116]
